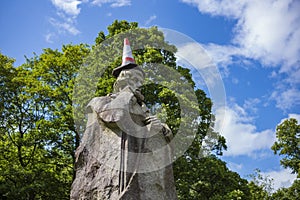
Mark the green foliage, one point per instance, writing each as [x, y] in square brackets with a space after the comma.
[38, 137]
[288, 144]
[208, 178]
[235, 195]
[118, 27]
[291, 193]
[25, 170]
[260, 186]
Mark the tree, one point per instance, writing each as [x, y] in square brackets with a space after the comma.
[291, 193]
[288, 136]
[287, 144]
[38, 137]
[260, 186]
[209, 178]
[26, 170]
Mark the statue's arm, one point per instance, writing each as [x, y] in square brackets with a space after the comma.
[111, 108]
[115, 110]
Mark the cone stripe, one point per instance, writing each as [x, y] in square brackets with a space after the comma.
[126, 42]
[127, 54]
[128, 59]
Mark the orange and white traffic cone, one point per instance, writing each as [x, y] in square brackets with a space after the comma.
[128, 61]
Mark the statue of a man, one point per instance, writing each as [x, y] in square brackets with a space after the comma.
[117, 158]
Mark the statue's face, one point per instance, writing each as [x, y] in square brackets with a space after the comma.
[133, 78]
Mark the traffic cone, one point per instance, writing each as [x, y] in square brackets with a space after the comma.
[128, 61]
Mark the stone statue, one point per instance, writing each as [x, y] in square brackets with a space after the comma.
[120, 153]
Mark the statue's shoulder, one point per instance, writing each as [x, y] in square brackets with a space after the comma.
[97, 103]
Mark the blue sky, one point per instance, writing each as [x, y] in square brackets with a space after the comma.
[253, 43]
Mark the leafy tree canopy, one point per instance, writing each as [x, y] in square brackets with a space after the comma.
[291, 193]
[38, 138]
[288, 144]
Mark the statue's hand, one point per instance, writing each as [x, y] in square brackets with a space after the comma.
[153, 124]
[139, 96]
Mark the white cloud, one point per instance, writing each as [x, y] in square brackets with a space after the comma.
[215, 7]
[113, 3]
[64, 27]
[194, 53]
[267, 31]
[49, 37]
[291, 115]
[286, 97]
[68, 6]
[67, 12]
[222, 54]
[241, 135]
[282, 178]
[151, 19]
[234, 166]
[250, 104]
[295, 116]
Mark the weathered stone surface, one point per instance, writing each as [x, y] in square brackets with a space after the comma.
[94, 178]
[99, 156]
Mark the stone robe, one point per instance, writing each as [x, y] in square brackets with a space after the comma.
[115, 160]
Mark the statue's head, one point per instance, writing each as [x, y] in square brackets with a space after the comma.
[132, 78]
[129, 73]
